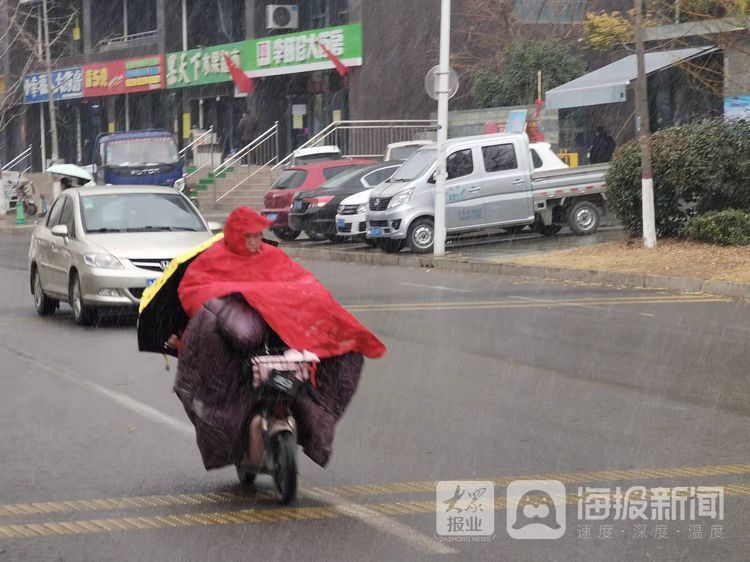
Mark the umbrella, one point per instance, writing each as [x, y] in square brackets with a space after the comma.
[71, 170]
[160, 313]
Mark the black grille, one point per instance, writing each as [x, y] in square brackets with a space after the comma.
[346, 228]
[363, 227]
[349, 210]
[151, 264]
[137, 292]
[379, 223]
[379, 203]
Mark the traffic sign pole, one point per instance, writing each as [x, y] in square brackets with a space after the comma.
[442, 132]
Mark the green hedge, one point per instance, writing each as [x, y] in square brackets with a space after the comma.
[698, 168]
[730, 227]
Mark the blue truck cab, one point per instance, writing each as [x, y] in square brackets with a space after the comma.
[147, 157]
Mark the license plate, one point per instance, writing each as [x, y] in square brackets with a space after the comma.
[298, 204]
[341, 223]
[376, 232]
[272, 216]
[150, 282]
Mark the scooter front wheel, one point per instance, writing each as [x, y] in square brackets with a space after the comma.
[285, 474]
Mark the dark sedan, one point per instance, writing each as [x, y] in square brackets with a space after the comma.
[315, 211]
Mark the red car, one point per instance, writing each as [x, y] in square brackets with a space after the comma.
[277, 202]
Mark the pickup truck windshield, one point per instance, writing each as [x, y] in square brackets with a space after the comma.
[138, 212]
[416, 165]
[138, 152]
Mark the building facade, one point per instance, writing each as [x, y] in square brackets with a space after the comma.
[135, 64]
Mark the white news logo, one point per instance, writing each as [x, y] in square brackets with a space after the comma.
[536, 509]
[465, 509]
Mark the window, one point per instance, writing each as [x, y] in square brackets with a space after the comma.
[460, 164]
[536, 159]
[313, 14]
[67, 217]
[290, 179]
[53, 219]
[332, 172]
[339, 12]
[499, 158]
[139, 212]
[417, 164]
[379, 176]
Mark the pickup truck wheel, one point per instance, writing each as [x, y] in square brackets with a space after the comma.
[421, 237]
[583, 218]
[286, 234]
[391, 246]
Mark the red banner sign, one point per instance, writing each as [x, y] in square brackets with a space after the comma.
[123, 76]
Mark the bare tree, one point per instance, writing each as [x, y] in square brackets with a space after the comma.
[28, 51]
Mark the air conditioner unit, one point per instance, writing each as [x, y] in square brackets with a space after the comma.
[282, 16]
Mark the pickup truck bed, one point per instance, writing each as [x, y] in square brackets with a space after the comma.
[556, 184]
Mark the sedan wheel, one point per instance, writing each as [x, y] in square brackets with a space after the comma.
[43, 304]
[83, 314]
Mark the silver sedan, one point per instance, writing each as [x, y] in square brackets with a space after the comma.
[99, 247]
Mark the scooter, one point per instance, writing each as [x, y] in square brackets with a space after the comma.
[278, 380]
[23, 192]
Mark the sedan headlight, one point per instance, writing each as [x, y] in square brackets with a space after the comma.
[340, 210]
[401, 198]
[362, 209]
[103, 261]
[179, 184]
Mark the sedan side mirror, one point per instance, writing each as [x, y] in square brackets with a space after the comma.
[60, 230]
[215, 227]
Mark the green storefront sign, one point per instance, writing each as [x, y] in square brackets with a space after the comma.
[301, 52]
[199, 67]
[269, 56]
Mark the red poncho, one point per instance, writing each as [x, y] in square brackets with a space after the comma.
[288, 297]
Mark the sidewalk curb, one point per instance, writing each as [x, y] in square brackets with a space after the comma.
[16, 228]
[458, 265]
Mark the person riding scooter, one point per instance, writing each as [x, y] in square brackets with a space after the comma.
[244, 296]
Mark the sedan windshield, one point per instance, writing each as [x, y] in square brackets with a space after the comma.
[416, 165]
[149, 151]
[138, 212]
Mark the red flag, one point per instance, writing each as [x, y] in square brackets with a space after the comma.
[340, 66]
[243, 82]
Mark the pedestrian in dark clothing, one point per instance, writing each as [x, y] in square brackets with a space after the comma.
[603, 147]
[247, 131]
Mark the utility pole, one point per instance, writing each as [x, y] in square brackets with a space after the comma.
[443, 95]
[647, 179]
[50, 88]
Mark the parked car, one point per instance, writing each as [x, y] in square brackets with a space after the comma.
[402, 150]
[278, 200]
[99, 247]
[315, 211]
[352, 216]
[491, 184]
[315, 154]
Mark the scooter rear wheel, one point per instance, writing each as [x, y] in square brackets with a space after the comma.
[285, 475]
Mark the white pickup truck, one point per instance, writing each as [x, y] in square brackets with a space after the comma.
[492, 183]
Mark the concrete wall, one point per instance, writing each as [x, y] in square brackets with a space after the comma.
[463, 123]
[737, 66]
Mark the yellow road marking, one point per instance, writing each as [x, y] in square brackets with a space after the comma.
[248, 517]
[357, 490]
[474, 305]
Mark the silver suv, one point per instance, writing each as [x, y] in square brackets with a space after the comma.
[99, 247]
